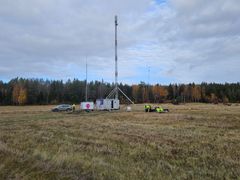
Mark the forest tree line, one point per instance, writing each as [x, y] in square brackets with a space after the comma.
[20, 91]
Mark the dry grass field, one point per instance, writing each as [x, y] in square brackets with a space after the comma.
[193, 141]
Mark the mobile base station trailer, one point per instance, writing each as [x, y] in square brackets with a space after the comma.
[107, 104]
[87, 106]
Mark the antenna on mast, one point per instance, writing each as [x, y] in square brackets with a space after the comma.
[87, 105]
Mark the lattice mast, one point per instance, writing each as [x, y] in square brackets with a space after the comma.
[116, 90]
[116, 59]
[86, 88]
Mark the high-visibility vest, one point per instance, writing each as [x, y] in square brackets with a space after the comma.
[159, 109]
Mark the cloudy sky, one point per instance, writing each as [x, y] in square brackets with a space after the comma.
[176, 40]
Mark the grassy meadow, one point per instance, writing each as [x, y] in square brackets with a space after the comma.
[192, 141]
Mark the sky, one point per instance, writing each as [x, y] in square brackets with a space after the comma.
[159, 41]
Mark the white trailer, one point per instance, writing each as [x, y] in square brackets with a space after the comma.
[107, 104]
[100, 104]
[87, 106]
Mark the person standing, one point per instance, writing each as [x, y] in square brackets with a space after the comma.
[73, 107]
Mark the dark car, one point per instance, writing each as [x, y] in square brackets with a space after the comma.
[62, 107]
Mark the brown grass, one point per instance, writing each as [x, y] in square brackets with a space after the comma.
[193, 141]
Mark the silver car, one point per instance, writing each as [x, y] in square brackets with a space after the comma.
[62, 107]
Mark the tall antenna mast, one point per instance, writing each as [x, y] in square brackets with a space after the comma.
[116, 89]
[116, 59]
[86, 89]
[148, 84]
[101, 89]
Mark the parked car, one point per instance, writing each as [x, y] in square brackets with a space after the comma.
[62, 107]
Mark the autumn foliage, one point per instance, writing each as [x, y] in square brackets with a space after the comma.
[19, 95]
[21, 91]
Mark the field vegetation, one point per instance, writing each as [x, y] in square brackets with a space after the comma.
[193, 141]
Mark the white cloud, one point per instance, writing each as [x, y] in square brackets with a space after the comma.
[182, 41]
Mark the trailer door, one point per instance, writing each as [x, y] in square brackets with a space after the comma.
[112, 104]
